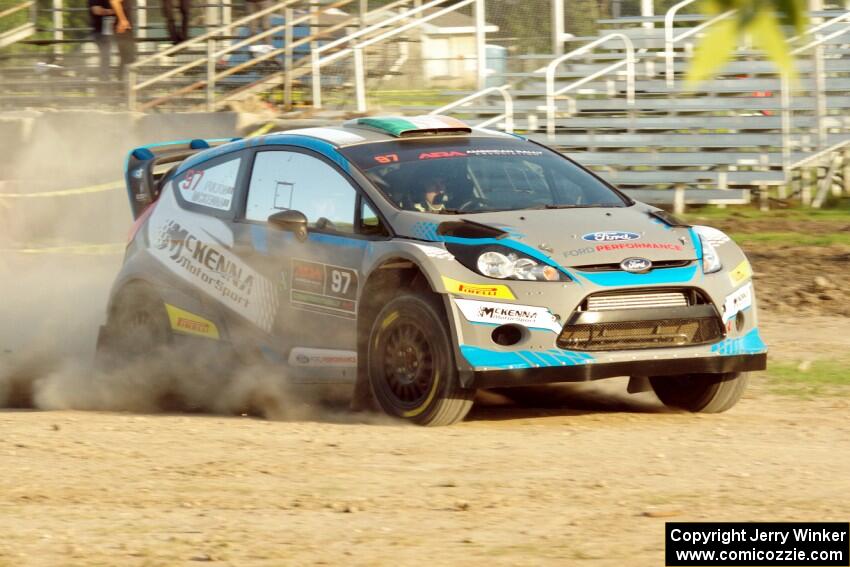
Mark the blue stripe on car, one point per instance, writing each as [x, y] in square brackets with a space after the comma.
[428, 231]
[482, 358]
[751, 343]
[341, 241]
[319, 146]
[661, 276]
[260, 238]
[508, 360]
[697, 243]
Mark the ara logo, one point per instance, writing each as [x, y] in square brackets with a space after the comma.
[636, 265]
[439, 155]
[610, 236]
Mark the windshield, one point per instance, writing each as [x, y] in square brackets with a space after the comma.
[476, 175]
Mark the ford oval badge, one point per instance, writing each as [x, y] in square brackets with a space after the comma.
[636, 265]
[610, 236]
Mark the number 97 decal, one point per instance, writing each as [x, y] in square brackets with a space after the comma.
[340, 281]
[387, 158]
[323, 286]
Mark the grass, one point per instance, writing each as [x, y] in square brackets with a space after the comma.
[791, 238]
[821, 378]
[746, 224]
[838, 213]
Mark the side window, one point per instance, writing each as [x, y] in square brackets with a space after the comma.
[211, 187]
[283, 180]
[370, 222]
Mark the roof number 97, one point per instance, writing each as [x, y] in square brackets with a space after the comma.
[388, 158]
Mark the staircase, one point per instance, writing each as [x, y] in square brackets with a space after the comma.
[740, 132]
[17, 23]
[57, 66]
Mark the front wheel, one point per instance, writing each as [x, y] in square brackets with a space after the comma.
[411, 363]
[703, 393]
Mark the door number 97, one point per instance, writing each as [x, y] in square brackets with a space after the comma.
[340, 281]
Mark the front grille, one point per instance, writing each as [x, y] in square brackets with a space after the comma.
[615, 267]
[625, 335]
[640, 300]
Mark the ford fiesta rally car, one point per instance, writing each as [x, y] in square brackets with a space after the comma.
[420, 259]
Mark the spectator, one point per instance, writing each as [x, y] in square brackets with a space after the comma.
[263, 23]
[181, 34]
[110, 19]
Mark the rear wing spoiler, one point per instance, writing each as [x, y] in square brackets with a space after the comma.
[143, 183]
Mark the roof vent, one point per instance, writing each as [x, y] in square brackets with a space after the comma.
[400, 126]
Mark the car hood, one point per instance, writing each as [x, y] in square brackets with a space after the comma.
[577, 237]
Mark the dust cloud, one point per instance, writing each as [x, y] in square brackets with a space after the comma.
[53, 306]
[54, 300]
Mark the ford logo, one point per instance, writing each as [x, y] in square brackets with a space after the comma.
[636, 265]
[610, 236]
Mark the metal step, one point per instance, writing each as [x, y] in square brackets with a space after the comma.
[672, 177]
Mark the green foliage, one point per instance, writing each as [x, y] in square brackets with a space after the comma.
[791, 238]
[13, 20]
[840, 213]
[767, 22]
[819, 378]
[528, 21]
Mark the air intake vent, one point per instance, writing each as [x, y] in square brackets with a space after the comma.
[646, 300]
[626, 335]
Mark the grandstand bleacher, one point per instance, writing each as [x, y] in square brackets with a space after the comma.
[745, 130]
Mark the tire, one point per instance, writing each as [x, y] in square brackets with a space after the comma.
[137, 328]
[411, 366]
[702, 393]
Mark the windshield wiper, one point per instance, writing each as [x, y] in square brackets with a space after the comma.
[555, 206]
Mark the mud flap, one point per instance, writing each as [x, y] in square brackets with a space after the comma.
[638, 384]
[362, 398]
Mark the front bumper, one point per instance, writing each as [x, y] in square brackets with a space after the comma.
[596, 371]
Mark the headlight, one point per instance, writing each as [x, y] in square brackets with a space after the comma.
[710, 257]
[503, 263]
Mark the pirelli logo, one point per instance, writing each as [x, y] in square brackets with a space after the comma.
[493, 291]
[190, 324]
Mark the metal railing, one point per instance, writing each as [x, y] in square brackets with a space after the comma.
[670, 40]
[628, 62]
[507, 101]
[292, 68]
[818, 156]
[830, 160]
[207, 40]
[418, 17]
[21, 31]
[843, 21]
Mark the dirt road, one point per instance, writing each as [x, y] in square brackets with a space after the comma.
[589, 482]
[589, 479]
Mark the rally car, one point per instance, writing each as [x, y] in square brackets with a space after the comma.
[419, 259]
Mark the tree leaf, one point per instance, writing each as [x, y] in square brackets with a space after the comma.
[713, 51]
[767, 34]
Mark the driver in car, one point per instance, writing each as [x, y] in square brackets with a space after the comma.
[433, 196]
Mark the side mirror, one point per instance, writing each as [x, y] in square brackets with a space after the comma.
[292, 221]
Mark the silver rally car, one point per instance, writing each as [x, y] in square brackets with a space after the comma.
[419, 259]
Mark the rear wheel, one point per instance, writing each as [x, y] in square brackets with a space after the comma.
[703, 393]
[137, 327]
[411, 364]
